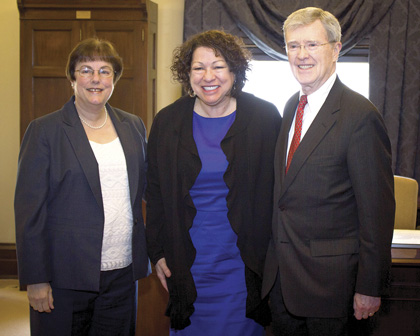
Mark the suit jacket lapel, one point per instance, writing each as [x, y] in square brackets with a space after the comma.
[289, 113]
[130, 148]
[80, 143]
[322, 123]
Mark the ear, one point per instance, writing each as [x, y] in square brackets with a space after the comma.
[336, 50]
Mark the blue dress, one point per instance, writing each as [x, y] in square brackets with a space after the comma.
[218, 269]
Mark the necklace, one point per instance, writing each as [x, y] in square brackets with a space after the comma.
[95, 127]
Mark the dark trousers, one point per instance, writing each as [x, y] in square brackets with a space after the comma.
[286, 324]
[109, 312]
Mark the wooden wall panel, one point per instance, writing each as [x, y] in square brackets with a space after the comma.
[152, 301]
[51, 47]
[123, 96]
[50, 94]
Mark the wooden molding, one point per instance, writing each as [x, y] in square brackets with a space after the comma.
[91, 4]
[8, 261]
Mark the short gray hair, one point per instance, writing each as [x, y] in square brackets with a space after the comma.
[308, 15]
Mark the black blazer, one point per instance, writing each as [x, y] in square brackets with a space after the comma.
[58, 203]
[333, 211]
[174, 164]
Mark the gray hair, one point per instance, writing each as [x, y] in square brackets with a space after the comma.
[308, 15]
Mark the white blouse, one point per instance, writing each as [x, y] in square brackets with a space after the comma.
[118, 226]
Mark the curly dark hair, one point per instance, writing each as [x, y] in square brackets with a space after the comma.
[229, 46]
[94, 49]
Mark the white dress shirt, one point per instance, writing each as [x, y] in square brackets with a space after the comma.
[315, 102]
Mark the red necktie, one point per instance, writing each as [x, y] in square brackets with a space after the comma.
[298, 129]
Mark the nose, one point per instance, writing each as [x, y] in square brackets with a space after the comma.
[302, 52]
[208, 75]
[95, 76]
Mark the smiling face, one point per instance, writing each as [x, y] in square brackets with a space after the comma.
[93, 92]
[312, 68]
[210, 77]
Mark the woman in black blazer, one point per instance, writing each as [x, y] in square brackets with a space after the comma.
[79, 229]
[209, 192]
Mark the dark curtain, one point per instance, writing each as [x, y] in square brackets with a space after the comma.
[201, 15]
[262, 20]
[395, 82]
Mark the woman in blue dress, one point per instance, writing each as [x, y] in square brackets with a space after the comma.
[209, 194]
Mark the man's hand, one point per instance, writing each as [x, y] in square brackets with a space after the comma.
[163, 272]
[365, 306]
[40, 297]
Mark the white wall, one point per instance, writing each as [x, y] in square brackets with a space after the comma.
[170, 28]
[9, 117]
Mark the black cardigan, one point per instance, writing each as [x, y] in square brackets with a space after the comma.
[173, 166]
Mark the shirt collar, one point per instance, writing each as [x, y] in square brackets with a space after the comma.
[317, 99]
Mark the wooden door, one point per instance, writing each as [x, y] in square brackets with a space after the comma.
[45, 46]
[130, 92]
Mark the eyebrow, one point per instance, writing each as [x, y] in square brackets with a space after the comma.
[306, 41]
[199, 62]
[102, 67]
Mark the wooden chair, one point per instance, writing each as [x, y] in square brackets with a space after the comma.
[406, 194]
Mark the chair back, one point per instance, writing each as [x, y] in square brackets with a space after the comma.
[406, 194]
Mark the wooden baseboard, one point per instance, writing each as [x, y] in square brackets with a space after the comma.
[8, 261]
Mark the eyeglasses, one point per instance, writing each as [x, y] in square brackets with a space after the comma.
[309, 46]
[88, 72]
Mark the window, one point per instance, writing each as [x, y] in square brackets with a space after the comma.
[274, 81]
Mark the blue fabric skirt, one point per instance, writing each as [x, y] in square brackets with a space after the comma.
[219, 276]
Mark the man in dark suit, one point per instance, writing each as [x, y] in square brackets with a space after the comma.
[333, 217]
